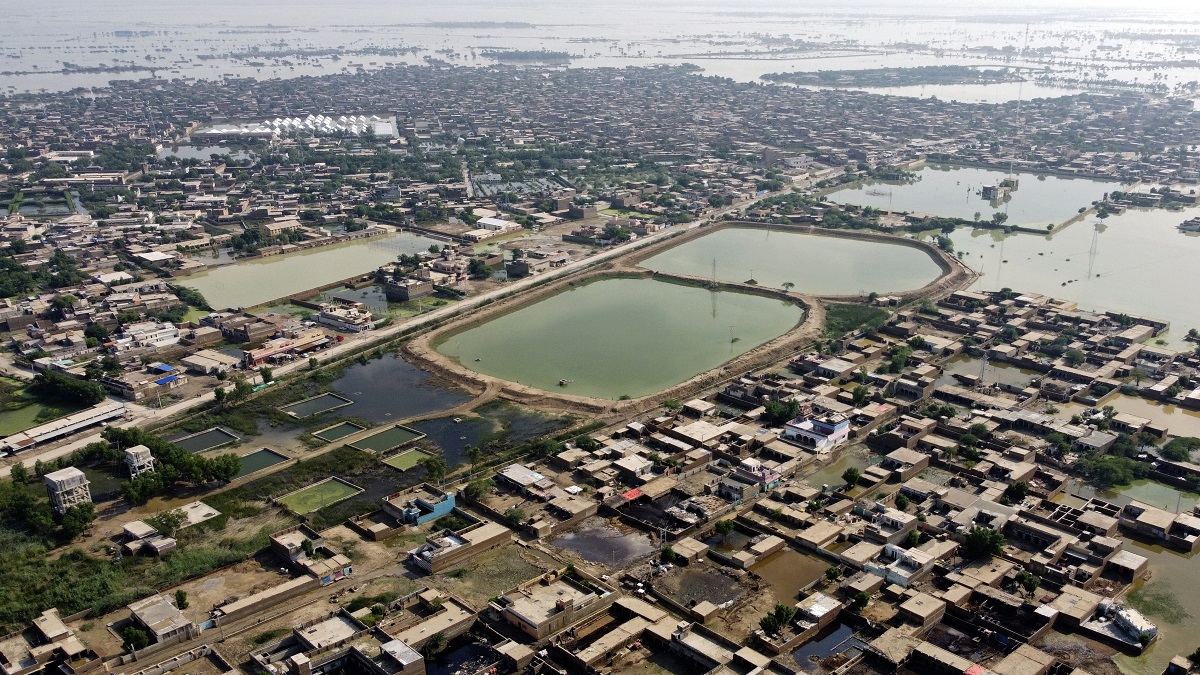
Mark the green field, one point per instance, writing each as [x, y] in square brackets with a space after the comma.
[406, 460]
[623, 213]
[318, 496]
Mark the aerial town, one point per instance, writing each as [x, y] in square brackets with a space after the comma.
[515, 367]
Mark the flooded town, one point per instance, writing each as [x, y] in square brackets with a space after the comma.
[635, 339]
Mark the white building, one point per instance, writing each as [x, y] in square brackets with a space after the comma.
[139, 460]
[67, 487]
[354, 318]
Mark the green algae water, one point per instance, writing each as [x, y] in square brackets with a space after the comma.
[621, 337]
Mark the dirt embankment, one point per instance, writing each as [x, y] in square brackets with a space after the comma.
[422, 351]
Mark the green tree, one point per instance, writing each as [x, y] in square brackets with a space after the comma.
[241, 390]
[1074, 358]
[861, 395]
[67, 389]
[861, 599]
[77, 518]
[668, 554]
[19, 473]
[135, 638]
[1139, 374]
[832, 573]
[435, 467]
[777, 619]
[1028, 581]
[478, 489]
[181, 598]
[478, 269]
[515, 517]
[266, 374]
[913, 538]
[724, 527]
[901, 502]
[63, 302]
[851, 476]
[1017, 492]
[475, 454]
[983, 541]
[168, 522]
[777, 413]
[1177, 449]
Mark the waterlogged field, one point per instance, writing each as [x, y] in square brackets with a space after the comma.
[953, 192]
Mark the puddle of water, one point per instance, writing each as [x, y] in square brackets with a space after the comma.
[597, 541]
[787, 571]
[734, 541]
[824, 646]
[700, 585]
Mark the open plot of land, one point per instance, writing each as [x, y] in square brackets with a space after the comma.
[316, 405]
[337, 431]
[319, 495]
[388, 439]
[406, 460]
[207, 440]
[494, 573]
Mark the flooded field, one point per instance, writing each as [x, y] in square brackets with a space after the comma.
[338, 431]
[788, 571]
[391, 389]
[812, 263]
[831, 475]
[620, 337]
[1180, 421]
[1168, 600]
[454, 437]
[1143, 490]
[994, 372]
[693, 584]
[952, 191]
[1123, 263]
[598, 541]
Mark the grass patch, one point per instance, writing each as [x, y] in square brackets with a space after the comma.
[78, 580]
[841, 319]
[268, 635]
[406, 460]
[318, 496]
[368, 600]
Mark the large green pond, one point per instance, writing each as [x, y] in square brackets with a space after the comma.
[814, 264]
[953, 192]
[255, 282]
[621, 337]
